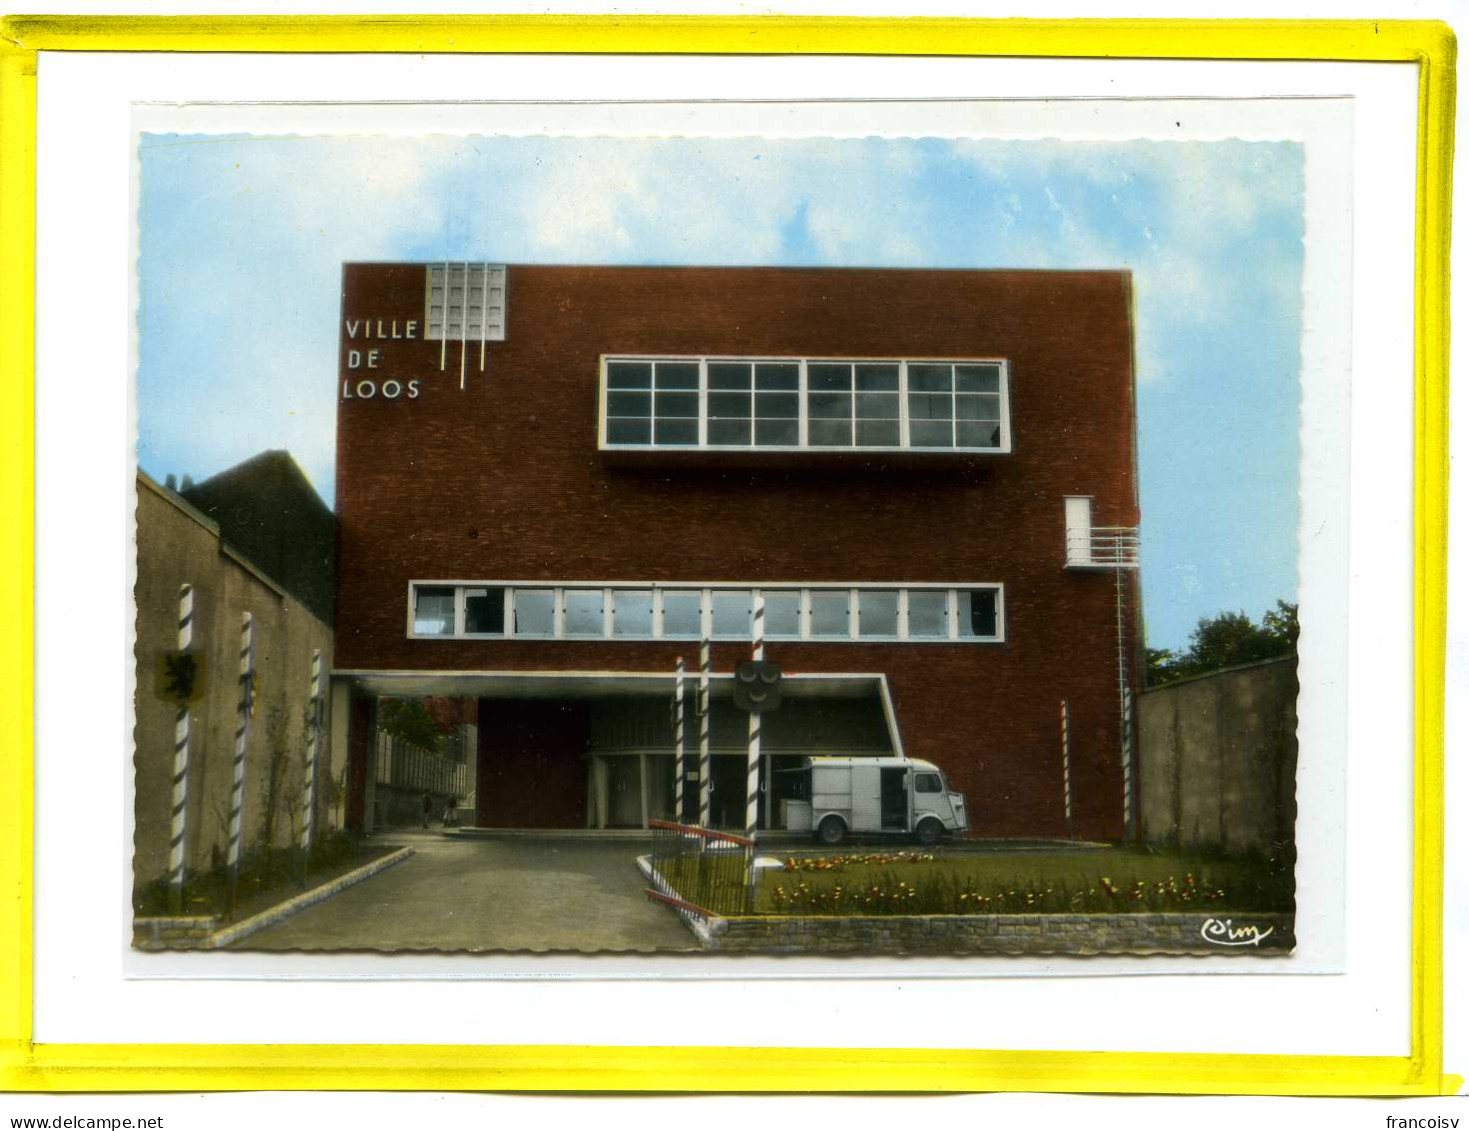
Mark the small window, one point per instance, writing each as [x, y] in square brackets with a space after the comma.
[484, 612]
[585, 612]
[927, 783]
[928, 614]
[978, 612]
[433, 611]
[733, 614]
[783, 614]
[877, 613]
[681, 613]
[830, 614]
[535, 612]
[632, 612]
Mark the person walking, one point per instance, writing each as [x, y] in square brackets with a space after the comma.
[428, 808]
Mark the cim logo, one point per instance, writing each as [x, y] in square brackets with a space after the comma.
[1223, 932]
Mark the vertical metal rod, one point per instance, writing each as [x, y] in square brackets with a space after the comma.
[1127, 762]
[177, 868]
[678, 741]
[308, 802]
[704, 814]
[1066, 766]
[464, 325]
[444, 322]
[484, 313]
[242, 737]
[752, 765]
[1122, 699]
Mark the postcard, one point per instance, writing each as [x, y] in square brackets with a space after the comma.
[695, 545]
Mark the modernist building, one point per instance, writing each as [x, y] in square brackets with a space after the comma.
[553, 481]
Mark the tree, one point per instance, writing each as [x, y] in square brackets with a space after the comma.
[409, 721]
[1226, 640]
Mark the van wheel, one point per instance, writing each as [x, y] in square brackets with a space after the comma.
[928, 833]
[831, 831]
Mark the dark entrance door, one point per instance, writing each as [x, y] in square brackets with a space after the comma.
[532, 769]
[895, 798]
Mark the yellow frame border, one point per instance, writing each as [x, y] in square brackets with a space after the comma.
[28, 1066]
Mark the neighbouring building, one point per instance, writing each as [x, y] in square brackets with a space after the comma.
[553, 481]
[179, 545]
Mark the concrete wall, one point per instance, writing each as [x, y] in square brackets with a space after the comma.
[1217, 759]
[177, 545]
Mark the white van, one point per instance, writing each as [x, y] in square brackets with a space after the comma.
[888, 796]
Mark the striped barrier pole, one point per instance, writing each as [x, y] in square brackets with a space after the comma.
[179, 821]
[308, 802]
[678, 741]
[242, 736]
[1066, 765]
[752, 766]
[1127, 761]
[703, 703]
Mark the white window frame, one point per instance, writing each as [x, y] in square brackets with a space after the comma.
[706, 591]
[803, 443]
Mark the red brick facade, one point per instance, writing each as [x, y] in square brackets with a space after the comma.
[503, 479]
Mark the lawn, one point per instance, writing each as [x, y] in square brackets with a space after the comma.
[1106, 880]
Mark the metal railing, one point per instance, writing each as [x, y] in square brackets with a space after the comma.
[699, 871]
[1102, 547]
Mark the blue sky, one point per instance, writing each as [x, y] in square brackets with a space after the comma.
[241, 241]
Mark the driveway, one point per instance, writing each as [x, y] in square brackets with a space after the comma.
[488, 894]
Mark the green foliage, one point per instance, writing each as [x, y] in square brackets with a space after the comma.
[408, 720]
[1227, 640]
[1105, 881]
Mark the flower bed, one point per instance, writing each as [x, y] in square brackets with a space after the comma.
[1107, 882]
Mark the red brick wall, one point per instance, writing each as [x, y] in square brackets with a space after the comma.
[503, 480]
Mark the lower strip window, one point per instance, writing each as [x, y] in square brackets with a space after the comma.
[927, 614]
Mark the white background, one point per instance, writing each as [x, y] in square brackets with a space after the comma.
[1169, 1026]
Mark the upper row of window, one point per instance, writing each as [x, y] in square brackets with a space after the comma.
[798, 403]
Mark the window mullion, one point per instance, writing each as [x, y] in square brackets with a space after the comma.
[703, 402]
[558, 613]
[803, 437]
[706, 614]
[854, 613]
[657, 613]
[953, 407]
[507, 604]
[903, 614]
[903, 440]
[953, 614]
[459, 620]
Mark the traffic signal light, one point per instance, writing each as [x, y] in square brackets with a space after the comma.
[757, 686]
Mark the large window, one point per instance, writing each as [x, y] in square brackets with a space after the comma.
[799, 404]
[651, 611]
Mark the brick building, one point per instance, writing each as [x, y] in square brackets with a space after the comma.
[553, 481]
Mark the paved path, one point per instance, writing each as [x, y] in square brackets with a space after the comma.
[491, 894]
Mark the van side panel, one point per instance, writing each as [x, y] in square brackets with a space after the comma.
[866, 798]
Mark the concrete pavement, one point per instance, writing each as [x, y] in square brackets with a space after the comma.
[491, 895]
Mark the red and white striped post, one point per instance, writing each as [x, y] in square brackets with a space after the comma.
[1066, 765]
[308, 802]
[703, 702]
[242, 737]
[178, 825]
[752, 766]
[678, 742]
[1127, 762]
